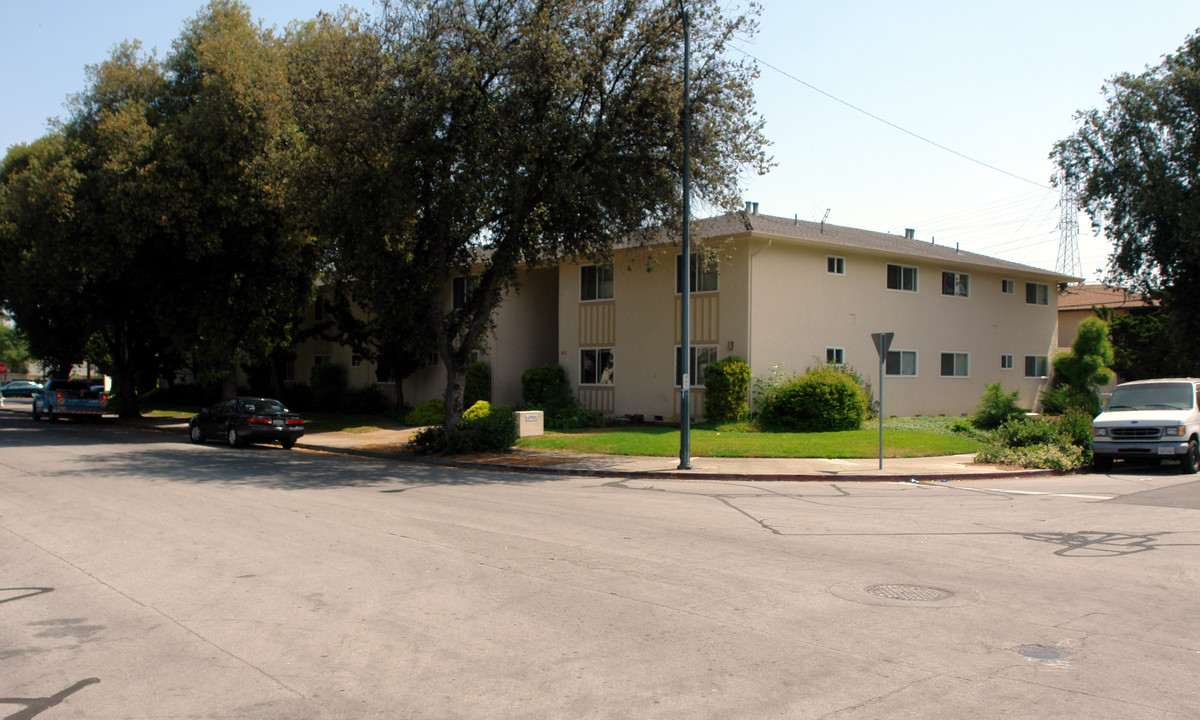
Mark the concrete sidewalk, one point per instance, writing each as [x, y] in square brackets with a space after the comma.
[391, 445]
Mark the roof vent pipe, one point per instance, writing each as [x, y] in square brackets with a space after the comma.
[910, 233]
[751, 208]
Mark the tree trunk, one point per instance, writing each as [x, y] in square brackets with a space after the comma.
[456, 383]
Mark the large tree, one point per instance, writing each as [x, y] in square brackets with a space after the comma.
[508, 133]
[1136, 167]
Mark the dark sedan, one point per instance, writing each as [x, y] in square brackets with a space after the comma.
[20, 388]
[247, 419]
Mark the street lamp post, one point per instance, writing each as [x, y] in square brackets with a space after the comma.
[685, 426]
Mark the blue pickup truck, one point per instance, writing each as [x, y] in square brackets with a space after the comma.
[69, 398]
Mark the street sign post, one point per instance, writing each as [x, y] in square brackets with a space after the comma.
[883, 342]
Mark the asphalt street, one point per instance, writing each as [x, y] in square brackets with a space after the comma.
[142, 576]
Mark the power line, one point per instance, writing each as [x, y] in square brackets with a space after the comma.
[891, 124]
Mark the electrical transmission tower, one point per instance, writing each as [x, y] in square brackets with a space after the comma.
[1068, 227]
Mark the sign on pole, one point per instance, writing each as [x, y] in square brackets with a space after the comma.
[883, 343]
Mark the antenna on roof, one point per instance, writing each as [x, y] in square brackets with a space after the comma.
[825, 218]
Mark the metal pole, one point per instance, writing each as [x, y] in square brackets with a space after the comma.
[685, 426]
[881, 365]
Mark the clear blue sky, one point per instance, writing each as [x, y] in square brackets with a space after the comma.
[997, 82]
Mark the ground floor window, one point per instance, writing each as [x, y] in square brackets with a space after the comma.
[596, 366]
[700, 357]
[901, 362]
[955, 364]
[1037, 366]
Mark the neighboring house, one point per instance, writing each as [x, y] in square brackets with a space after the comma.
[784, 295]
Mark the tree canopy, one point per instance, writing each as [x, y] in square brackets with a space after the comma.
[1136, 166]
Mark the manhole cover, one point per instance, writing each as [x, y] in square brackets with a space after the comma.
[909, 592]
[1040, 653]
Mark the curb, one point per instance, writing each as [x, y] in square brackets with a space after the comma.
[679, 475]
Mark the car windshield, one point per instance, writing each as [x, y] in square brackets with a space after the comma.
[263, 406]
[1144, 397]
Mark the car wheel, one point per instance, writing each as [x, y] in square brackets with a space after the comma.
[196, 434]
[234, 439]
[1102, 464]
[1190, 464]
[288, 444]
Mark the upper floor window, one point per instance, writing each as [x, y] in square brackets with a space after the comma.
[835, 265]
[1006, 362]
[1037, 294]
[596, 282]
[956, 284]
[901, 277]
[1008, 287]
[460, 288]
[835, 355]
[702, 275]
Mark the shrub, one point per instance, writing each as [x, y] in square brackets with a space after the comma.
[547, 385]
[1040, 442]
[824, 399]
[430, 412]
[1053, 457]
[727, 383]
[483, 428]
[478, 384]
[328, 385]
[996, 407]
[363, 400]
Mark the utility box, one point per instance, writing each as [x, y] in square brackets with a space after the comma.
[530, 423]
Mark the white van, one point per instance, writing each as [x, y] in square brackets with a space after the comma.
[1150, 420]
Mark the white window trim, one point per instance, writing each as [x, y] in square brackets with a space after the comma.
[956, 353]
[916, 278]
[697, 378]
[699, 260]
[836, 352]
[916, 363]
[599, 383]
[598, 298]
[956, 275]
[1011, 361]
[1012, 286]
[1044, 358]
[838, 262]
[1040, 285]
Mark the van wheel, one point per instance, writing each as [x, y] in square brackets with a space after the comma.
[1190, 464]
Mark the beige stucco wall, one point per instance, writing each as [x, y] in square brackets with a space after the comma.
[799, 309]
[642, 325]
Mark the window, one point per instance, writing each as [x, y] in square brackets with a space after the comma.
[322, 360]
[701, 357]
[355, 361]
[901, 362]
[954, 364]
[596, 282]
[902, 277]
[596, 366]
[835, 265]
[1037, 366]
[835, 355]
[956, 284]
[703, 274]
[460, 287]
[1037, 294]
[320, 308]
[1006, 362]
[1008, 287]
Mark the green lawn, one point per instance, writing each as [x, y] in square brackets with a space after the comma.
[901, 439]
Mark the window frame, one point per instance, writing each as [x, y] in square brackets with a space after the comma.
[598, 282]
[1007, 361]
[696, 378]
[835, 355]
[960, 282]
[1039, 361]
[902, 271]
[900, 355]
[1041, 293]
[835, 265]
[1008, 286]
[460, 287]
[954, 363]
[598, 355]
[698, 275]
